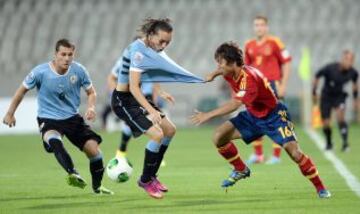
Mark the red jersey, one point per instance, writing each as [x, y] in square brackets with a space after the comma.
[267, 56]
[254, 90]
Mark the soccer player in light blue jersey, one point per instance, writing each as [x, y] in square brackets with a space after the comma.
[142, 58]
[149, 90]
[58, 84]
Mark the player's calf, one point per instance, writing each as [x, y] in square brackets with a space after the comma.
[61, 155]
[307, 168]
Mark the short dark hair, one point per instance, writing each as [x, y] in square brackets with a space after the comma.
[347, 51]
[231, 52]
[152, 26]
[64, 43]
[262, 18]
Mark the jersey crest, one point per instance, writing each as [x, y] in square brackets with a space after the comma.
[73, 79]
[138, 57]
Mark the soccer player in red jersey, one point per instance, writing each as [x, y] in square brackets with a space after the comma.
[268, 54]
[264, 115]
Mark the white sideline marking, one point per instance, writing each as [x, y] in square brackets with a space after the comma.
[350, 179]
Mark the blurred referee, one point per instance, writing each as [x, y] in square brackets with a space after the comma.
[336, 75]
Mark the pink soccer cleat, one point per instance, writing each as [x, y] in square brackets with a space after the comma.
[151, 189]
[159, 185]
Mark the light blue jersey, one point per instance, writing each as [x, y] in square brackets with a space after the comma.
[155, 66]
[58, 95]
[147, 88]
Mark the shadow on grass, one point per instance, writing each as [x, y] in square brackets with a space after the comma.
[19, 199]
[198, 203]
[102, 200]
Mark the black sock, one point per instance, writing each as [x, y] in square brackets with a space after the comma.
[124, 142]
[62, 156]
[150, 163]
[327, 132]
[344, 132]
[96, 170]
[162, 151]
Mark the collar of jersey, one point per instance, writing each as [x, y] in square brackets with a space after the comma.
[56, 73]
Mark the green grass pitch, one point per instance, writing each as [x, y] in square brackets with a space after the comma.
[31, 181]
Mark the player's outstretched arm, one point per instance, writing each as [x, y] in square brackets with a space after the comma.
[90, 111]
[210, 77]
[9, 118]
[201, 117]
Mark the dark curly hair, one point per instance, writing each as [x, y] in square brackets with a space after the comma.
[231, 52]
[152, 26]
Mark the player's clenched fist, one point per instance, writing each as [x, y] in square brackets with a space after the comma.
[9, 120]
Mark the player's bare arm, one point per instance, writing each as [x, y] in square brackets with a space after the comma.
[135, 77]
[286, 68]
[314, 90]
[9, 118]
[111, 82]
[158, 91]
[210, 77]
[201, 117]
[90, 112]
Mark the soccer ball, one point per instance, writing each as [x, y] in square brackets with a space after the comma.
[119, 169]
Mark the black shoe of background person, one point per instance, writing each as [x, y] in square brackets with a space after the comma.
[329, 147]
[345, 147]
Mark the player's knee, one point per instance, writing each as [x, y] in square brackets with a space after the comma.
[53, 138]
[171, 131]
[157, 136]
[91, 148]
[51, 134]
[56, 144]
[96, 157]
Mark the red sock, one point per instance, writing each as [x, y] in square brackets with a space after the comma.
[258, 147]
[230, 153]
[308, 169]
[276, 150]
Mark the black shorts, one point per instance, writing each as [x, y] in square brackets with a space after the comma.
[327, 103]
[74, 128]
[128, 109]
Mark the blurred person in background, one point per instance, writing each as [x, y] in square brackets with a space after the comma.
[268, 54]
[333, 96]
